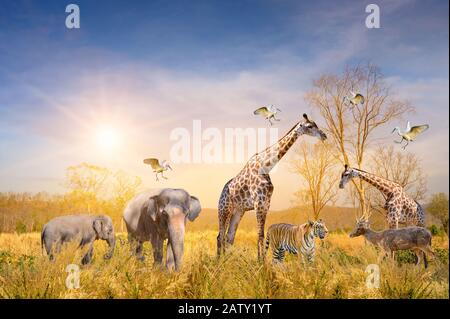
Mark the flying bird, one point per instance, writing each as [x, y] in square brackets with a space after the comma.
[354, 99]
[268, 112]
[410, 133]
[158, 167]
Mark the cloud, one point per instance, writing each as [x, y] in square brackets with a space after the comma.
[53, 97]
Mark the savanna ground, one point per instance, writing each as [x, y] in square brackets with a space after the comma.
[338, 271]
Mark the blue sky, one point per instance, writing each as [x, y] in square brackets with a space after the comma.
[176, 60]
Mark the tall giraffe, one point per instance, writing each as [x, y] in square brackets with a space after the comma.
[399, 206]
[252, 187]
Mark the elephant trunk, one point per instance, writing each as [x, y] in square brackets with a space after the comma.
[112, 243]
[176, 237]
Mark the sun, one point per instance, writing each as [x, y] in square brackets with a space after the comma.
[107, 137]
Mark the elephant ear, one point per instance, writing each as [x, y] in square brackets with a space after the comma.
[151, 207]
[98, 226]
[194, 208]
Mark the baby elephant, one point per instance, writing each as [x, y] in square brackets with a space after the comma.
[84, 229]
[415, 238]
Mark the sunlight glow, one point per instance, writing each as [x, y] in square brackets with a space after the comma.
[107, 137]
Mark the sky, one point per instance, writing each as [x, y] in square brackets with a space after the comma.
[112, 92]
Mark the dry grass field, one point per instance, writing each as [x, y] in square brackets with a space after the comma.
[338, 272]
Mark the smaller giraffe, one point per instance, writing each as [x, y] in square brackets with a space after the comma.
[401, 209]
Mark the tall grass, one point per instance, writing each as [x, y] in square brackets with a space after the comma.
[338, 272]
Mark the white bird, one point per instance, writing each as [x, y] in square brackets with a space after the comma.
[410, 133]
[268, 112]
[158, 167]
[355, 98]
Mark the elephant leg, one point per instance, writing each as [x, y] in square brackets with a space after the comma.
[132, 243]
[157, 244]
[136, 248]
[140, 250]
[88, 256]
[54, 249]
[49, 249]
[235, 220]
[170, 261]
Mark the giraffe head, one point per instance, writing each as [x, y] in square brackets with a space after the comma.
[347, 175]
[362, 225]
[310, 128]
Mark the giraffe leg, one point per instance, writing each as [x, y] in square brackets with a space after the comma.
[261, 199]
[392, 218]
[237, 216]
[224, 220]
[420, 216]
[261, 213]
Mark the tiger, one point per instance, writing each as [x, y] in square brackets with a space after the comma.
[294, 238]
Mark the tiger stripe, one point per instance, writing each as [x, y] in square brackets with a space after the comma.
[282, 238]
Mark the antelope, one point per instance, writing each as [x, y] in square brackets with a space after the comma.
[415, 238]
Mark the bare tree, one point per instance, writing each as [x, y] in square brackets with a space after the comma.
[398, 166]
[352, 129]
[315, 163]
[87, 178]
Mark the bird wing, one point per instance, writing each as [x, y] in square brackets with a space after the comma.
[416, 130]
[262, 110]
[360, 98]
[408, 126]
[153, 162]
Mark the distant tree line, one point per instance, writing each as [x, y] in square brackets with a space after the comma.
[90, 189]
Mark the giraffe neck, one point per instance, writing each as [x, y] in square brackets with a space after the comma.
[383, 185]
[275, 152]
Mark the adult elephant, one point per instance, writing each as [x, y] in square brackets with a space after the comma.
[159, 215]
[82, 228]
